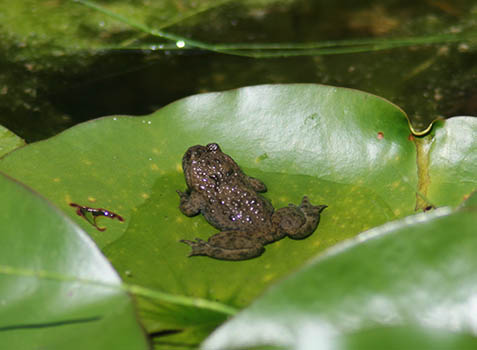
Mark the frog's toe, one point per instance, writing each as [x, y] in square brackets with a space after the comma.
[305, 202]
[186, 241]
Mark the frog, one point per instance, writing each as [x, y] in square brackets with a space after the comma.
[231, 201]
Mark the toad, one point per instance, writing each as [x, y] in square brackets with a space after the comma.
[231, 202]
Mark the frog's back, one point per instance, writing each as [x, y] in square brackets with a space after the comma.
[228, 199]
[236, 206]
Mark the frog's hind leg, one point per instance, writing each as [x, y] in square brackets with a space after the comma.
[227, 245]
[298, 222]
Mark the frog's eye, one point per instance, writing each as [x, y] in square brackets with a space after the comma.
[213, 147]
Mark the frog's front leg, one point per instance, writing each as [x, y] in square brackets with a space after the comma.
[227, 245]
[191, 203]
[256, 184]
[298, 222]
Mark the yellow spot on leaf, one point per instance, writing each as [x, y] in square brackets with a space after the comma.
[397, 212]
[155, 151]
[179, 219]
[145, 196]
[91, 199]
[395, 184]
[179, 167]
[154, 167]
[268, 278]
[56, 179]
[87, 162]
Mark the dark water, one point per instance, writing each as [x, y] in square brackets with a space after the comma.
[46, 96]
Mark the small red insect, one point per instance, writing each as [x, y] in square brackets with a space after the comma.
[90, 214]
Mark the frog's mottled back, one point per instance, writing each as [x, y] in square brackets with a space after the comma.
[228, 199]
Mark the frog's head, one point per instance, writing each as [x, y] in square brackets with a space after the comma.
[195, 161]
[198, 152]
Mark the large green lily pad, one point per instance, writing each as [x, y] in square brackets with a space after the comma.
[56, 289]
[350, 150]
[413, 279]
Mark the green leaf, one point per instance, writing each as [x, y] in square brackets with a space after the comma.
[9, 141]
[409, 338]
[56, 289]
[417, 272]
[452, 160]
[350, 150]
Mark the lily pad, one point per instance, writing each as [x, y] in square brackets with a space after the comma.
[56, 289]
[413, 279]
[9, 141]
[350, 150]
[452, 160]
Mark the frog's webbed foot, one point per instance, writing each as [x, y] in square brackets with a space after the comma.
[227, 245]
[298, 221]
[309, 209]
[198, 246]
